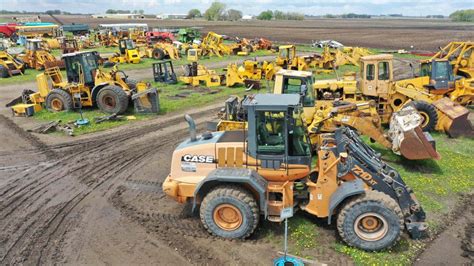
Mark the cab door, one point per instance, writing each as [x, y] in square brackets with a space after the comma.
[369, 79]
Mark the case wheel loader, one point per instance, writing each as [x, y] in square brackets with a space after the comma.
[85, 86]
[426, 93]
[36, 57]
[238, 178]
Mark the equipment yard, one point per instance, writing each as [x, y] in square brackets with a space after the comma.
[119, 177]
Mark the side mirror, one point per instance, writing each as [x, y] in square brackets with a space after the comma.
[412, 70]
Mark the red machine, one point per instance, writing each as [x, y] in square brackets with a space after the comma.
[159, 36]
[7, 29]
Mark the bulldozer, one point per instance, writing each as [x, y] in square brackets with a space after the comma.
[195, 73]
[128, 53]
[268, 171]
[9, 66]
[36, 57]
[378, 84]
[86, 85]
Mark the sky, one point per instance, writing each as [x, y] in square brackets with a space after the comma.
[309, 7]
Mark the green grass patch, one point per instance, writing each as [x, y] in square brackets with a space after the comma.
[173, 98]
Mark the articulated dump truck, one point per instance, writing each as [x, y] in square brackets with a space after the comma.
[268, 171]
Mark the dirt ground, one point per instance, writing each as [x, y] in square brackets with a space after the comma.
[422, 34]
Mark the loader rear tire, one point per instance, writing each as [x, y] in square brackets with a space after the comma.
[59, 100]
[230, 212]
[4, 72]
[372, 222]
[429, 115]
[112, 99]
[158, 54]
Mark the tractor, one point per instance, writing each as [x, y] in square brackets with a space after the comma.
[86, 85]
[236, 178]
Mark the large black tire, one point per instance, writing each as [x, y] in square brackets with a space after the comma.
[371, 222]
[59, 100]
[234, 208]
[158, 54]
[112, 99]
[3, 72]
[429, 115]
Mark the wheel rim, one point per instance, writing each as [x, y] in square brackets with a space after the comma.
[109, 101]
[227, 217]
[371, 226]
[425, 119]
[57, 105]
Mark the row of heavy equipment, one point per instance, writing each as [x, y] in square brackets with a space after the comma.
[297, 149]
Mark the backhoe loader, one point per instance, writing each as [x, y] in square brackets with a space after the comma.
[236, 178]
[128, 53]
[378, 84]
[9, 65]
[35, 56]
[86, 85]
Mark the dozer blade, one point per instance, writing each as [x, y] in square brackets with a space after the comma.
[407, 137]
[453, 118]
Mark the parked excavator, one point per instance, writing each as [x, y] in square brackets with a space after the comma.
[235, 178]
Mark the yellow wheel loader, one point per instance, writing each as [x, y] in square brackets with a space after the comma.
[9, 65]
[36, 57]
[378, 84]
[128, 53]
[237, 178]
[461, 57]
[85, 86]
[160, 51]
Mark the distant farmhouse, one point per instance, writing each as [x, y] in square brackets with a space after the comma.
[171, 16]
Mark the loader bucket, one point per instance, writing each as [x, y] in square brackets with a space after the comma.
[146, 101]
[57, 63]
[408, 139]
[453, 118]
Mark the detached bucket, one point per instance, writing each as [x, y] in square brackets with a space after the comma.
[453, 118]
[407, 137]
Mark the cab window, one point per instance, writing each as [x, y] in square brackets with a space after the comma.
[302, 87]
[384, 71]
[441, 71]
[370, 72]
[297, 139]
[270, 133]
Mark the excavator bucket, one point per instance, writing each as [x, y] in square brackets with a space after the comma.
[407, 137]
[453, 118]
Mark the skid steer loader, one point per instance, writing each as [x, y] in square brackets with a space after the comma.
[128, 53]
[36, 57]
[378, 84]
[86, 85]
[236, 178]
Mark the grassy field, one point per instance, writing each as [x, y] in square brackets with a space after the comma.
[173, 98]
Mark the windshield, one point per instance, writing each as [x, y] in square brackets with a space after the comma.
[297, 138]
[441, 70]
[90, 61]
[129, 44]
[301, 86]
[425, 69]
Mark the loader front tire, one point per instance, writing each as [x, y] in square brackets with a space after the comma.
[112, 99]
[4, 72]
[158, 54]
[428, 114]
[371, 222]
[229, 212]
[59, 100]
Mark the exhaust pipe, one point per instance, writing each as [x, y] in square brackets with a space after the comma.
[192, 127]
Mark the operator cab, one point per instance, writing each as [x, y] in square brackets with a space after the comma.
[276, 132]
[440, 73]
[81, 65]
[34, 44]
[296, 82]
[126, 44]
